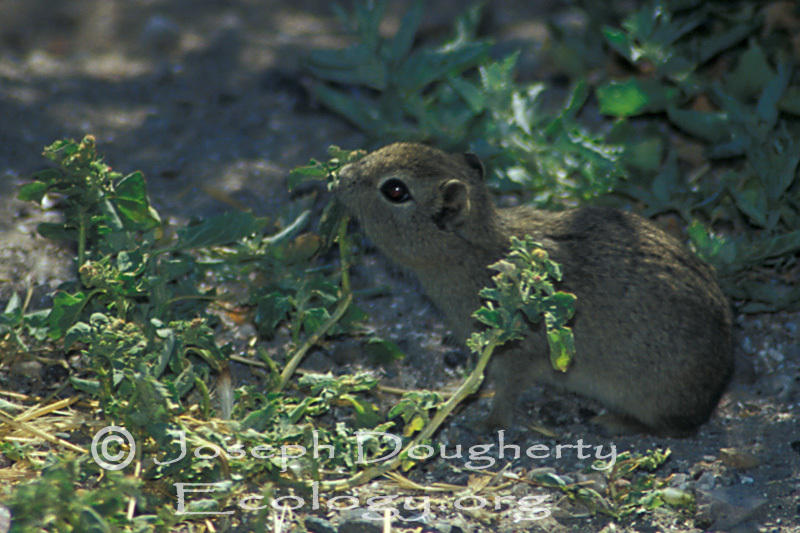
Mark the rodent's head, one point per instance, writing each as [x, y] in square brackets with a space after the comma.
[416, 203]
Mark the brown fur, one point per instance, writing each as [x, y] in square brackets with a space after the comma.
[652, 328]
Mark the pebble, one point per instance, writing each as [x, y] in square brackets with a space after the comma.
[727, 507]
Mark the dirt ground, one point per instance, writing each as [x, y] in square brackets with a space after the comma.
[207, 99]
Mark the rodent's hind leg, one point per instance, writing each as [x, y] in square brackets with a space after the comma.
[509, 383]
[615, 424]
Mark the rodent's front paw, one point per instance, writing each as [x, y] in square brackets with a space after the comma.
[491, 423]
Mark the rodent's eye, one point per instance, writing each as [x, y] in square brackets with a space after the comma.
[395, 191]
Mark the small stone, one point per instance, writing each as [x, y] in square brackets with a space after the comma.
[706, 482]
[676, 497]
[160, 34]
[727, 507]
[315, 524]
[595, 481]
[738, 459]
[679, 481]
[547, 471]
[353, 521]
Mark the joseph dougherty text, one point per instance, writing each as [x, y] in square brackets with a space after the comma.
[477, 457]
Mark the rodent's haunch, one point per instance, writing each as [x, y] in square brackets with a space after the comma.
[652, 328]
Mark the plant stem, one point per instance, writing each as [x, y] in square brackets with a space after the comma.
[470, 386]
[81, 238]
[344, 248]
[291, 366]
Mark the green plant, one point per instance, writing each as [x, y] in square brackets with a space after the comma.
[699, 74]
[456, 96]
[748, 132]
[147, 332]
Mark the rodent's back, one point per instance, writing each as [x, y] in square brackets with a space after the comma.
[649, 312]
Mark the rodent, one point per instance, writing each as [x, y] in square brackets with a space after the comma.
[652, 328]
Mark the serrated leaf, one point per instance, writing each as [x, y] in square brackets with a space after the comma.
[65, 312]
[78, 332]
[490, 317]
[314, 171]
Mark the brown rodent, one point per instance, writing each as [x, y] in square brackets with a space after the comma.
[652, 328]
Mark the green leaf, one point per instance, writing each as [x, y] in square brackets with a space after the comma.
[313, 319]
[710, 127]
[620, 42]
[329, 223]
[751, 75]
[490, 317]
[12, 316]
[361, 112]
[634, 97]
[471, 93]
[50, 230]
[665, 185]
[752, 201]
[367, 415]
[32, 192]
[790, 103]
[562, 347]
[81, 331]
[767, 108]
[356, 65]
[400, 45]
[425, 66]
[89, 386]
[219, 230]
[271, 311]
[131, 201]
[718, 42]
[65, 312]
[382, 352]
[314, 171]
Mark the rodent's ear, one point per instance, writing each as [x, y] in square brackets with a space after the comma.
[475, 162]
[455, 206]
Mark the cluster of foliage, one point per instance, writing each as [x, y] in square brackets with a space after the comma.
[146, 331]
[146, 334]
[633, 487]
[524, 293]
[701, 103]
